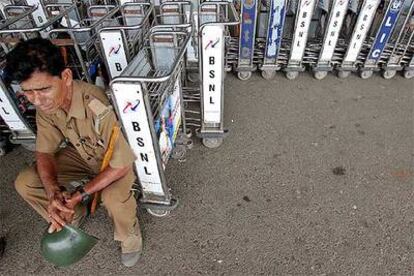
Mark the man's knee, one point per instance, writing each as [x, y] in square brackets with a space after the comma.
[28, 178]
[119, 192]
[113, 199]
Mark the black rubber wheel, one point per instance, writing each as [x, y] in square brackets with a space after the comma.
[343, 74]
[212, 143]
[291, 75]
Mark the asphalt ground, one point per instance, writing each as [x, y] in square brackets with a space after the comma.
[315, 178]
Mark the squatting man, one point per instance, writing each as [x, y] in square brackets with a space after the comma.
[80, 114]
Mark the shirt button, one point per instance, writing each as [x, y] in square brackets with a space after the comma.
[78, 145]
[86, 96]
[89, 158]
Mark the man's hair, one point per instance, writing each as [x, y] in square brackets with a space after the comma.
[33, 55]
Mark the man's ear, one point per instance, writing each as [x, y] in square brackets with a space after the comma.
[67, 77]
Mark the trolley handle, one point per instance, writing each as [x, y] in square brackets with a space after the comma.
[180, 5]
[408, 17]
[43, 27]
[174, 67]
[17, 18]
[172, 26]
[132, 27]
[85, 29]
[232, 20]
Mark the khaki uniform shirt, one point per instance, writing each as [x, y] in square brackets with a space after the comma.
[87, 126]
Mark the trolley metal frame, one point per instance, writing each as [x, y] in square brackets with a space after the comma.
[120, 44]
[381, 39]
[363, 25]
[214, 16]
[303, 19]
[139, 95]
[275, 27]
[398, 53]
[84, 38]
[247, 39]
[336, 19]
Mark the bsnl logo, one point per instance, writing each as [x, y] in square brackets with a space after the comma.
[114, 51]
[131, 106]
[212, 43]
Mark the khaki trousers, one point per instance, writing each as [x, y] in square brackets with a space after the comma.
[117, 198]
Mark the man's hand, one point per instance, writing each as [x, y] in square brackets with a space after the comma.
[70, 202]
[57, 211]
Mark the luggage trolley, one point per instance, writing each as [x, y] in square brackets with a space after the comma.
[275, 25]
[17, 114]
[213, 18]
[179, 15]
[316, 31]
[147, 97]
[381, 39]
[120, 44]
[247, 39]
[409, 70]
[80, 41]
[304, 16]
[334, 25]
[362, 26]
[398, 57]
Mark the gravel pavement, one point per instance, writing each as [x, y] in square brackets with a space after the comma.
[315, 178]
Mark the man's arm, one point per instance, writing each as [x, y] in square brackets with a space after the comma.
[47, 170]
[98, 183]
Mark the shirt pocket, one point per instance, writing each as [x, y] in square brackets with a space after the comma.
[92, 143]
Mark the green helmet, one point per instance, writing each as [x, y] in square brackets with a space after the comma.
[67, 246]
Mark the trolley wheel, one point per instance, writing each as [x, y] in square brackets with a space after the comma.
[268, 74]
[29, 146]
[158, 213]
[212, 143]
[178, 152]
[188, 133]
[408, 74]
[189, 144]
[343, 74]
[320, 75]
[291, 75]
[244, 75]
[366, 74]
[389, 74]
[3, 151]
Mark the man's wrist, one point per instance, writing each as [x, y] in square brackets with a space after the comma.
[84, 196]
[77, 196]
[51, 192]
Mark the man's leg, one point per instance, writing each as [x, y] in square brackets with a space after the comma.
[70, 167]
[121, 205]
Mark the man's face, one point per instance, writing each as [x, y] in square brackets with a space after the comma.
[46, 92]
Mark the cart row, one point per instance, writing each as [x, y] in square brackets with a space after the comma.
[323, 36]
